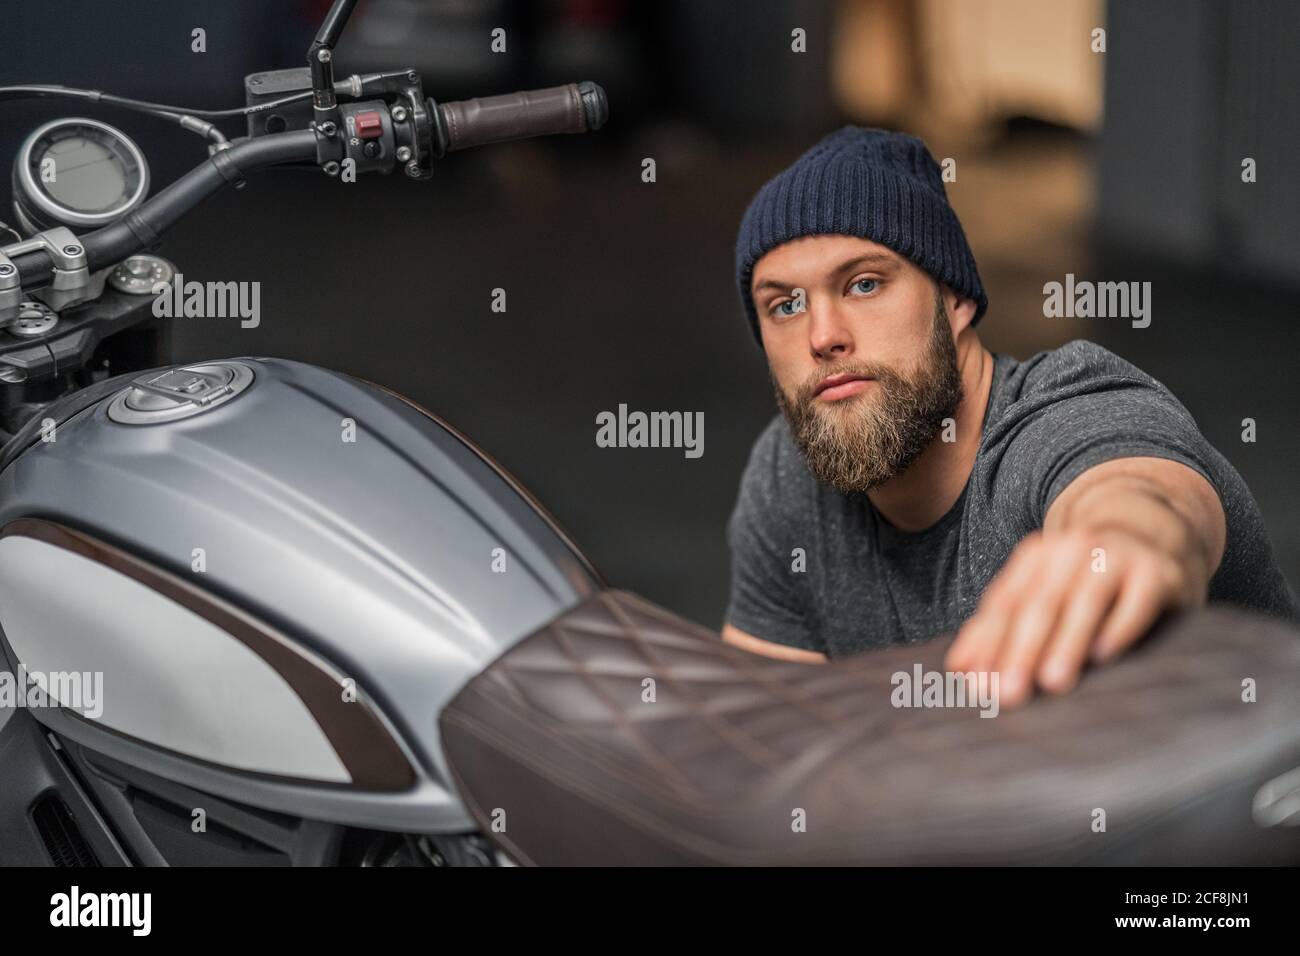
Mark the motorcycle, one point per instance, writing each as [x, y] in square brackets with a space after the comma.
[256, 612]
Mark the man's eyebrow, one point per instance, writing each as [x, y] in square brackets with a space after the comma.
[870, 258]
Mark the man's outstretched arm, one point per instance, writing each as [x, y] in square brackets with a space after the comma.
[1125, 541]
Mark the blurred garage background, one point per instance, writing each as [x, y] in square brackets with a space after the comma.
[1122, 165]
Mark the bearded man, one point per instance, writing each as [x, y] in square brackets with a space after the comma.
[1047, 511]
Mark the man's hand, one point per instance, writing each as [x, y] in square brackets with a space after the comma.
[1125, 542]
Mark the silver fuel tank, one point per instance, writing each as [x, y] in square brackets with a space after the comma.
[282, 574]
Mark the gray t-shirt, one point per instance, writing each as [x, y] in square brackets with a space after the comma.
[865, 584]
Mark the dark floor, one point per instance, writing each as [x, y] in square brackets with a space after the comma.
[621, 292]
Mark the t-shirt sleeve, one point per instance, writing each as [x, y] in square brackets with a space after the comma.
[769, 598]
[1079, 407]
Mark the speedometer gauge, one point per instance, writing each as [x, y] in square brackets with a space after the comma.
[79, 173]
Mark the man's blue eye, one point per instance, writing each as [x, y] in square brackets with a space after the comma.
[782, 310]
[865, 286]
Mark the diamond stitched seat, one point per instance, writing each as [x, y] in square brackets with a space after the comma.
[734, 749]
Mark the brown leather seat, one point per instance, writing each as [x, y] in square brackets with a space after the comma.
[560, 742]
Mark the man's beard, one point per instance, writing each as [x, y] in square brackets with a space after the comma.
[860, 442]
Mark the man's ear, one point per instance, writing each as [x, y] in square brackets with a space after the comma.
[961, 309]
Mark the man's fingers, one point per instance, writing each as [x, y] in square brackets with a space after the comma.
[1040, 618]
[1056, 569]
[977, 644]
[1141, 599]
[1076, 630]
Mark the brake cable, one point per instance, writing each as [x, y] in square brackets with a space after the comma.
[191, 119]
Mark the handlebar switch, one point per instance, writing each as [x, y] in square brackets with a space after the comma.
[369, 124]
[368, 136]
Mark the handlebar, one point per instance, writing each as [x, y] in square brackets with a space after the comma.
[573, 108]
[143, 227]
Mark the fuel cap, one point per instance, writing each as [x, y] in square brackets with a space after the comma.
[178, 393]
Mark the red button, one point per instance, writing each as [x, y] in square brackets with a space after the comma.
[370, 125]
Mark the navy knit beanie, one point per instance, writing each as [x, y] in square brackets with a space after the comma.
[868, 183]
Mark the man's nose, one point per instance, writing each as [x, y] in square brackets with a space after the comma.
[829, 336]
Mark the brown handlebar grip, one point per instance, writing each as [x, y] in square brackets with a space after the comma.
[572, 108]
